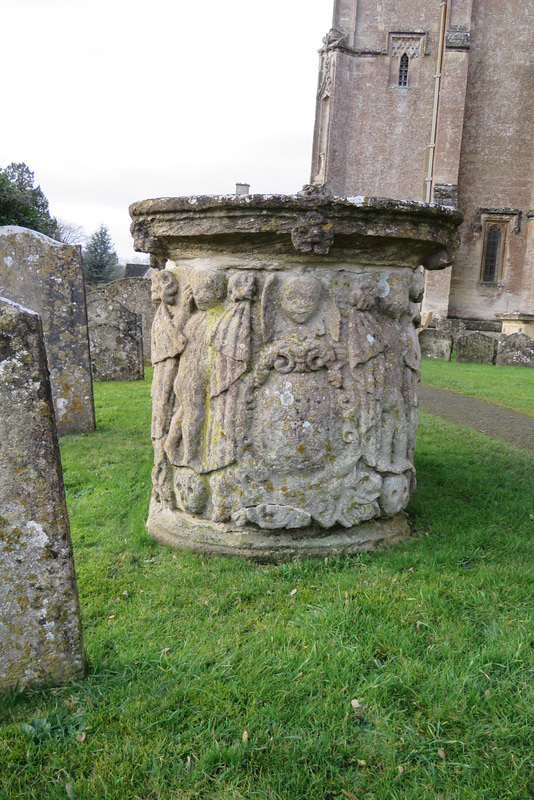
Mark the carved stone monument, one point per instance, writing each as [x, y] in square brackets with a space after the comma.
[116, 338]
[285, 368]
[47, 277]
[40, 628]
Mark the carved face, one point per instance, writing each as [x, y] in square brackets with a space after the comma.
[392, 291]
[209, 288]
[394, 494]
[242, 286]
[299, 298]
[313, 234]
[164, 287]
[363, 293]
[191, 492]
[417, 287]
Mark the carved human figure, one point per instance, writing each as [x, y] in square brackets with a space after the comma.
[366, 361]
[192, 382]
[392, 291]
[231, 343]
[167, 344]
[411, 354]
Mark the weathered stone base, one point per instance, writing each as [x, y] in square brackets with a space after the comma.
[186, 532]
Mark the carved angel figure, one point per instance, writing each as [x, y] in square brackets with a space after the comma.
[392, 302]
[192, 382]
[168, 342]
[231, 343]
[366, 361]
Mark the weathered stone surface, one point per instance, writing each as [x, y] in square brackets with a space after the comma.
[47, 277]
[193, 533]
[476, 348]
[515, 350]
[285, 369]
[135, 295]
[40, 628]
[116, 337]
[435, 344]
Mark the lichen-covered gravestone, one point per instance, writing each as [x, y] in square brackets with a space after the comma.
[517, 349]
[116, 338]
[135, 295]
[476, 348]
[40, 627]
[47, 277]
[286, 363]
[435, 344]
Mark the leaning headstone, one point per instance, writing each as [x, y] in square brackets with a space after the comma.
[435, 344]
[476, 348]
[47, 277]
[515, 350]
[135, 295]
[116, 338]
[40, 628]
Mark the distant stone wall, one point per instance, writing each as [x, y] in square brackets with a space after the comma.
[47, 277]
[40, 628]
[135, 295]
[116, 337]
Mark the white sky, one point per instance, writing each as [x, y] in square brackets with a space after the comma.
[113, 101]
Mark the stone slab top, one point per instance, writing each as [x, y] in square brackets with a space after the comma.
[14, 230]
[18, 306]
[311, 225]
[516, 315]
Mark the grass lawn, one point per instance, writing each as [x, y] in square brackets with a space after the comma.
[405, 674]
[507, 386]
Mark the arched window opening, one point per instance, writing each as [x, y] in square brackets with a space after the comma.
[493, 255]
[403, 70]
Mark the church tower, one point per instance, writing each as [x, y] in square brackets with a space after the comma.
[433, 100]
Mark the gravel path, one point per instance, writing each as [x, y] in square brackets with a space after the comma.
[493, 420]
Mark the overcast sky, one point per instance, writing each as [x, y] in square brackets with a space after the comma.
[113, 101]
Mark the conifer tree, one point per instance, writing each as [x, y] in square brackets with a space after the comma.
[100, 262]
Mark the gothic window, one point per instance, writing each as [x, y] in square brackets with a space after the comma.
[492, 257]
[403, 70]
[405, 50]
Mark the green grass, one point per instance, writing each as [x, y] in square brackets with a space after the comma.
[405, 673]
[508, 386]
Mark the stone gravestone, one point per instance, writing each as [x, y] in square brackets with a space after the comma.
[455, 327]
[135, 295]
[476, 348]
[286, 365]
[40, 627]
[116, 338]
[435, 344]
[517, 349]
[47, 277]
